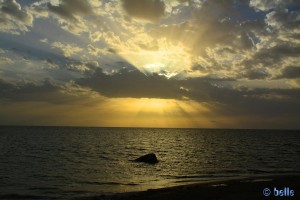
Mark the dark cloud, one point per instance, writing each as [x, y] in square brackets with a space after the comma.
[224, 99]
[217, 94]
[133, 84]
[255, 73]
[198, 67]
[290, 72]
[270, 57]
[239, 102]
[61, 94]
[266, 5]
[256, 26]
[30, 50]
[244, 101]
[13, 18]
[13, 9]
[283, 19]
[46, 91]
[151, 10]
[68, 9]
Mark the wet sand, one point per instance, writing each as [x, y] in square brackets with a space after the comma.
[236, 189]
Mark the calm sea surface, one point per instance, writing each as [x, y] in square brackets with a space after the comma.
[66, 162]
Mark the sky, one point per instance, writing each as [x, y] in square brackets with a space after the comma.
[150, 63]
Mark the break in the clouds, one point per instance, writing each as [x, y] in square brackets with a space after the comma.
[237, 60]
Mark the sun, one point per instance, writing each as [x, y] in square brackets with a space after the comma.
[154, 67]
[168, 60]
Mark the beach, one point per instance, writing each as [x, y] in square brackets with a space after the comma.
[281, 187]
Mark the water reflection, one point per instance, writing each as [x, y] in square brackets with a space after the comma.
[62, 161]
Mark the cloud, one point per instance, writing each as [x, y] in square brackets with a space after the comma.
[97, 51]
[82, 66]
[69, 13]
[13, 18]
[96, 36]
[150, 10]
[222, 53]
[222, 43]
[67, 49]
[57, 104]
[112, 39]
[271, 56]
[290, 72]
[68, 9]
[132, 83]
[219, 96]
[45, 91]
[206, 31]
[27, 91]
[255, 73]
[255, 102]
[4, 60]
[283, 19]
[270, 4]
[45, 40]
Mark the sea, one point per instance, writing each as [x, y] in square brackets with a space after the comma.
[72, 162]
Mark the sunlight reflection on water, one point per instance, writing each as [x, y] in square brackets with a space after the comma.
[63, 161]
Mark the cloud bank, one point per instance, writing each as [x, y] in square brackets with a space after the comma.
[238, 58]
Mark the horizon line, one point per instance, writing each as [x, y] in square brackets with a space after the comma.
[140, 127]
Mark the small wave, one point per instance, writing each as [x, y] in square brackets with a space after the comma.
[235, 171]
[225, 171]
[105, 157]
[43, 188]
[257, 171]
[77, 192]
[205, 176]
[262, 171]
[195, 176]
[106, 183]
[22, 196]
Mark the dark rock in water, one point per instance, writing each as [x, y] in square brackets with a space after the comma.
[148, 158]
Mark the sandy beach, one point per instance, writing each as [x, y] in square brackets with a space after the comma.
[281, 187]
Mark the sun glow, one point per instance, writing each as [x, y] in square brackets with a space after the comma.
[168, 60]
[156, 105]
[154, 67]
[152, 112]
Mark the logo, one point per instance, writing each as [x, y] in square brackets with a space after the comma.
[284, 192]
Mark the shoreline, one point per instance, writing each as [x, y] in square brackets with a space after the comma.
[248, 188]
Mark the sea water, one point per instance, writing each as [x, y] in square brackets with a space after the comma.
[69, 162]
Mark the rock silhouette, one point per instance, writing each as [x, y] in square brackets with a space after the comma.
[148, 158]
